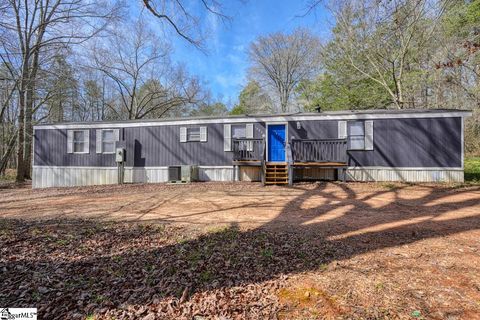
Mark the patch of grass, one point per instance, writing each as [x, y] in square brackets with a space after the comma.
[267, 252]
[389, 186]
[90, 317]
[472, 169]
[9, 176]
[323, 267]
[218, 229]
[206, 276]
[62, 242]
[99, 298]
[379, 286]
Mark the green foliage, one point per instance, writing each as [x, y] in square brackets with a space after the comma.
[461, 17]
[238, 110]
[62, 86]
[336, 92]
[267, 253]
[252, 99]
[205, 109]
[472, 169]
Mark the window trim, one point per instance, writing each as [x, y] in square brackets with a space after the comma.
[185, 134]
[349, 136]
[86, 141]
[189, 129]
[113, 141]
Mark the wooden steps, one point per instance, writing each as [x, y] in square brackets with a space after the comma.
[276, 173]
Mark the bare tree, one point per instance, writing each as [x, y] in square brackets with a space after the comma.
[281, 61]
[179, 15]
[147, 82]
[32, 30]
[384, 40]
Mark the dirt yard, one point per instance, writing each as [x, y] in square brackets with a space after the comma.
[241, 251]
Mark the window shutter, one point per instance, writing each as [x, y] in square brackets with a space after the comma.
[227, 137]
[369, 135]
[249, 135]
[249, 131]
[98, 140]
[86, 145]
[69, 141]
[183, 134]
[117, 134]
[203, 134]
[342, 129]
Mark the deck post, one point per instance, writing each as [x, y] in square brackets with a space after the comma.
[290, 174]
[236, 174]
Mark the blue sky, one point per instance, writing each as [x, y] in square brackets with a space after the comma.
[225, 65]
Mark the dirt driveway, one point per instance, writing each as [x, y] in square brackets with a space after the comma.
[326, 250]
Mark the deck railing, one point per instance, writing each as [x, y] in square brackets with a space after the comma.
[319, 150]
[248, 149]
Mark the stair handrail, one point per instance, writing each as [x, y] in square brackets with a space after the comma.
[288, 149]
[264, 169]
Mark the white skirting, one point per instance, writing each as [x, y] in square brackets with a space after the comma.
[44, 177]
[405, 174]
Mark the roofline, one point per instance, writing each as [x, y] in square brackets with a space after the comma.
[336, 115]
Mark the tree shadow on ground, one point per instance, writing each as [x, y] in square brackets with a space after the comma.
[73, 268]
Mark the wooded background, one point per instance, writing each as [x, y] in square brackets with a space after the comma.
[79, 60]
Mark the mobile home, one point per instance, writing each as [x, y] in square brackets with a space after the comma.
[367, 145]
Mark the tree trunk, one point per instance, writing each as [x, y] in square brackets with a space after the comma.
[7, 154]
[21, 135]
[28, 133]
[29, 116]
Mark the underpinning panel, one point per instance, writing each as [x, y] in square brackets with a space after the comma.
[405, 174]
[250, 173]
[215, 173]
[45, 177]
[313, 174]
[146, 175]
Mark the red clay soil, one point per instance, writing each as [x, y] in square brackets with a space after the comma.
[241, 251]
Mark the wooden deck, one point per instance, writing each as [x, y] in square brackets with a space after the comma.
[247, 163]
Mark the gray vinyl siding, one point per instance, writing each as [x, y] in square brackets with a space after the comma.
[51, 150]
[145, 147]
[410, 142]
[431, 142]
[414, 143]
[324, 129]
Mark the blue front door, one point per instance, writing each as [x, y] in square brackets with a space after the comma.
[276, 143]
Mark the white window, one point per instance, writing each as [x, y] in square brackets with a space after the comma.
[78, 141]
[360, 135]
[356, 135]
[108, 141]
[191, 134]
[243, 131]
[238, 131]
